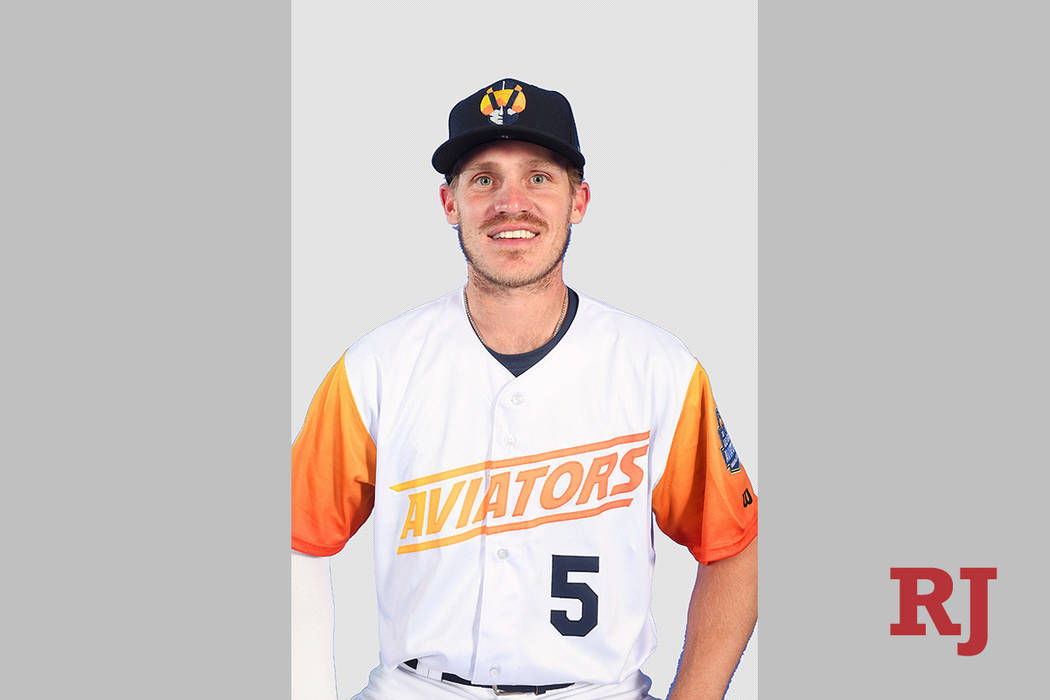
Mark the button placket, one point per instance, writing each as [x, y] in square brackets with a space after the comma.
[510, 435]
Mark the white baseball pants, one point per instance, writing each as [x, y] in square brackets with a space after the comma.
[402, 683]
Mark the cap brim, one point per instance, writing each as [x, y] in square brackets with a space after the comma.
[452, 150]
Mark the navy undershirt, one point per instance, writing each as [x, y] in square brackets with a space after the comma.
[516, 364]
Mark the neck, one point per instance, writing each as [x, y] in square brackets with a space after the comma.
[516, 320]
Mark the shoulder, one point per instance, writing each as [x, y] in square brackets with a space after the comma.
[410, 328]
[610, 324]
[384, 359]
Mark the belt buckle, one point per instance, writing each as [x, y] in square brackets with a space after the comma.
[499, 691]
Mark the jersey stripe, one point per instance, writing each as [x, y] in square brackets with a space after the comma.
[507, 527]
[516, 461]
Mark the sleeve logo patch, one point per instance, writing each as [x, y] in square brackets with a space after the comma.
[728, 451]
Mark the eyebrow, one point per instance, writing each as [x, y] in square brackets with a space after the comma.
[491, 165]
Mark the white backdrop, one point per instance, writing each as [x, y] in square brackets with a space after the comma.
[665, 102]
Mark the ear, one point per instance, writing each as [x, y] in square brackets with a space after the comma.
[448, 203]
[580, 200]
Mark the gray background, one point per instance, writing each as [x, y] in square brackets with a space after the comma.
[666, 108]
[902, 255]
[145, 285]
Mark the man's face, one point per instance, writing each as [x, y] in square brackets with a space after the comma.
[513, 203]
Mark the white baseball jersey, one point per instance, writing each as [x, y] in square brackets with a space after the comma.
[514, 516]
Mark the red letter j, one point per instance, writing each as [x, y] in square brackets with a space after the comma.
[978, 610]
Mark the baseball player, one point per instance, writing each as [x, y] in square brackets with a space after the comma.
[514, 441]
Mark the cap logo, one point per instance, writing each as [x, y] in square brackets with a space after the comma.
[503, 106]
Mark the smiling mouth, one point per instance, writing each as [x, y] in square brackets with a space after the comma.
[518, 233]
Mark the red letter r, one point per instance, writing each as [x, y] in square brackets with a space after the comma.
[910, 600]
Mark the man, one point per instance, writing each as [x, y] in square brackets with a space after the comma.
[515, 440]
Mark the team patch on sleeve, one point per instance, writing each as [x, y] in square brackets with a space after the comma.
[728, 451]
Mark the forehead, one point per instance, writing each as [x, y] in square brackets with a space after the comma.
[510, 154]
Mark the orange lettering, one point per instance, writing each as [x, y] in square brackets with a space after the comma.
[435, 520]
[633, 471]
[417, 503]
[575, 472]
[596, 476]
[527, 479]
[495, 500]
[468, 502]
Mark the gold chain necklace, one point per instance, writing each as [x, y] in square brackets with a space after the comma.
[561, 320]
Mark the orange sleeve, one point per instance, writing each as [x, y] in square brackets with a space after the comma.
[333, 470]
[704, 499]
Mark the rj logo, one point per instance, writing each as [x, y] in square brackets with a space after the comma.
[911, 599]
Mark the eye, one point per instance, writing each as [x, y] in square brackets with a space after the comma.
[483, 180]
[538, 179]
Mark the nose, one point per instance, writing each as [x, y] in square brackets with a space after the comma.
[511, 198]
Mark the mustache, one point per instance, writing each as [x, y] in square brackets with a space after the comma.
[523, 218]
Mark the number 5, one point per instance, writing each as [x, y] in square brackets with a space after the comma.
[561, 566]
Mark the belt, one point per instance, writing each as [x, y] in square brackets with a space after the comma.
[499, 689]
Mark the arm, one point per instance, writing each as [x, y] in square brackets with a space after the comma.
[313, 624]
[722, 614]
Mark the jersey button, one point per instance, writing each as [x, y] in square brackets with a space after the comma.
[502, 553]
[518, 399]
[509, 440]
[494, 671]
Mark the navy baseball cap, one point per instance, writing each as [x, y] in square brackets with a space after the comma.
[509, 109]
